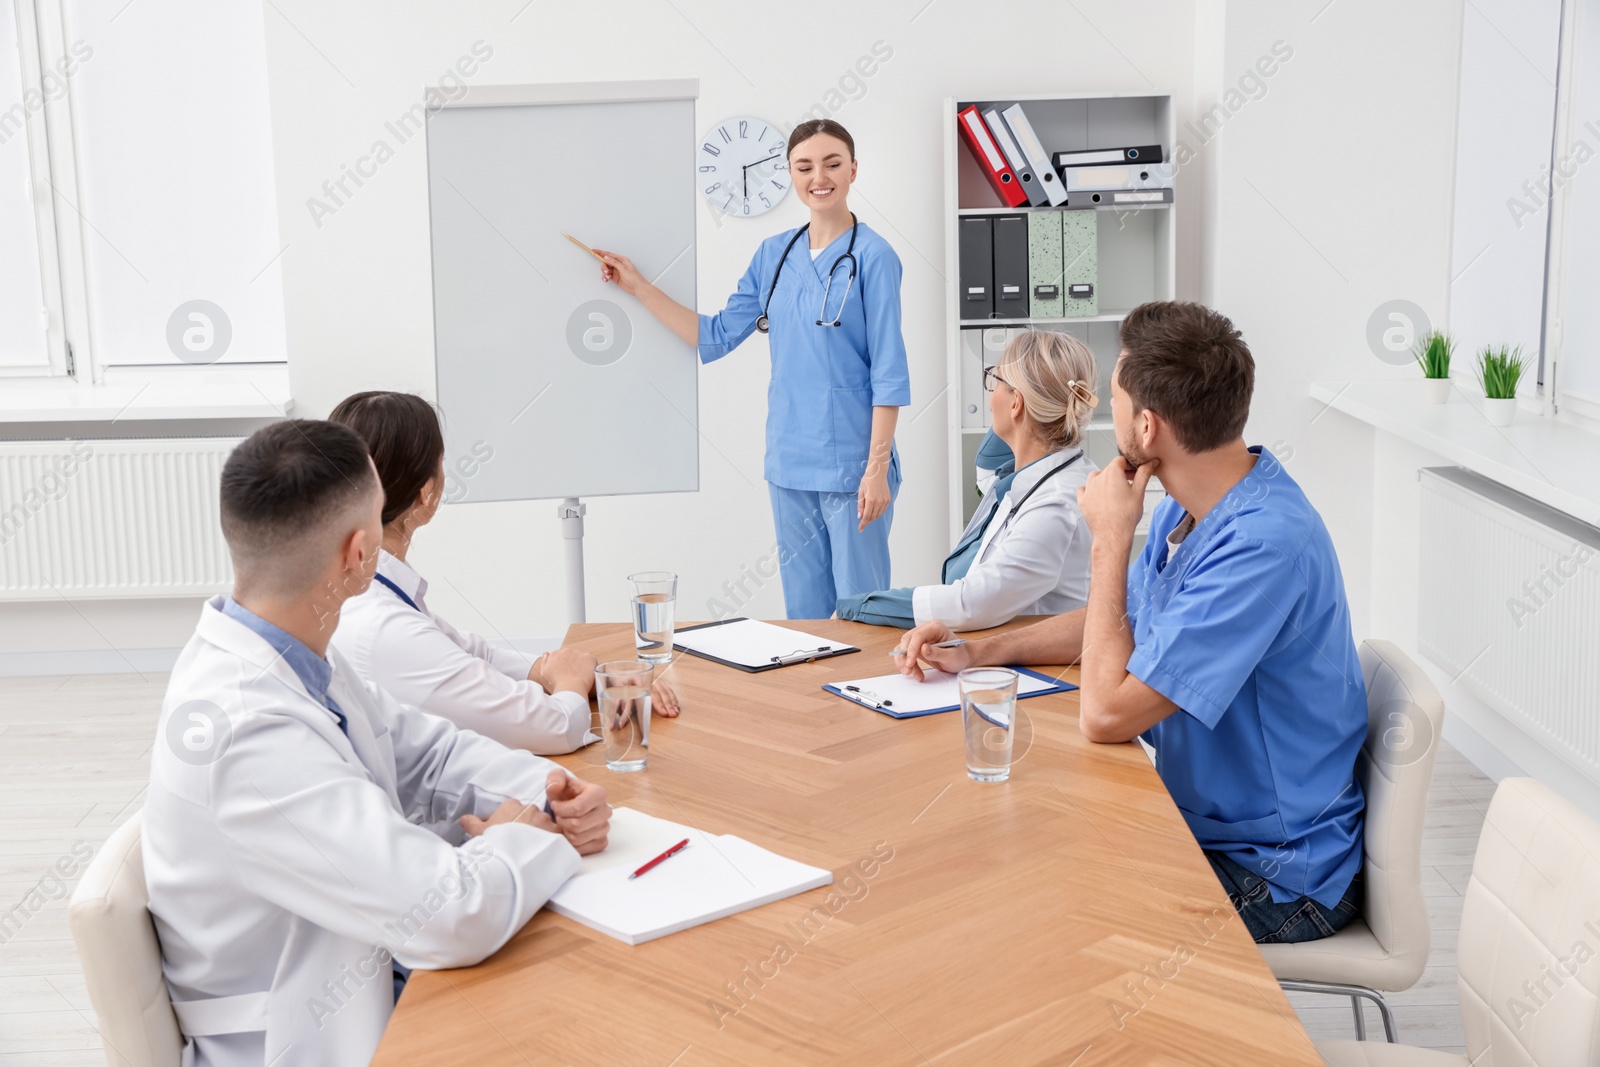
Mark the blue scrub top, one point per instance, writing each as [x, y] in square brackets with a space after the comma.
[1247, 630]
[825, 379]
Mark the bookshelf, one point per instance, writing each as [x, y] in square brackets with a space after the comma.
[1135, 247]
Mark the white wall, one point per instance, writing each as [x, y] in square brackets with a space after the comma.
[1308, 245]
[1283, 236]
[1302, 263]
[357, 287]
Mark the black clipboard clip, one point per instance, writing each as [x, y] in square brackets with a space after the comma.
[870, 699]
[802, 655]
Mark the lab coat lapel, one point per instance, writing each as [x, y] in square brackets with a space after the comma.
[369, 735]
[1021, 484]
[262, 661]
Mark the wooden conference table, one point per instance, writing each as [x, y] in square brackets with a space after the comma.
[1064, 917]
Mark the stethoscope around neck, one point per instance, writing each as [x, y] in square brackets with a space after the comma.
[1033, 489]
[850, 279]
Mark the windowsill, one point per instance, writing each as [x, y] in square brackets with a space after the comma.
[1552, 460]
[151, 394]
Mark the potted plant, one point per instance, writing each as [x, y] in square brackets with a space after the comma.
[1499, 371]
[1433, 354]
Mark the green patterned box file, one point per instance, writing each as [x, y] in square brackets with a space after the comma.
[1079, 233]
[1045, 288]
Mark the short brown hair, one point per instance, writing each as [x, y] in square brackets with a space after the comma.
[811, 127]
[403, 435]
[283, 489]
[1189, 365]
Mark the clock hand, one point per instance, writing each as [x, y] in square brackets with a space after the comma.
[744, 172]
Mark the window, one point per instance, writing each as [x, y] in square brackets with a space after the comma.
[138, 211]
[1504, 127]
[1573, 344]
[174, 155]
[1527, 196]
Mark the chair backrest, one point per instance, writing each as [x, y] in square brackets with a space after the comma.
[1529, 953]
[116, 939]
[1405, 718]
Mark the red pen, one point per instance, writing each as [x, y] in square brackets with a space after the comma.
[668, 854]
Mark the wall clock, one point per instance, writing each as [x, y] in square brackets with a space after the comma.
[742, 168]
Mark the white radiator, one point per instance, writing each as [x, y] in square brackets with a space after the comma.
[119, 518]
[1510, 602]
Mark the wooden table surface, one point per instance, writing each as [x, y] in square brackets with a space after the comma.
[1064, 917]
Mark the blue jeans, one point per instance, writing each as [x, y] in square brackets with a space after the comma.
[1273, 923]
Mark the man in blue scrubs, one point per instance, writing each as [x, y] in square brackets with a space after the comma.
[1227, 643]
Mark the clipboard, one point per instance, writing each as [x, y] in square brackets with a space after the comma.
[887, 707]
[808, 648]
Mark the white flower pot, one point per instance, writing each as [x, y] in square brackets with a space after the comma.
[1499, 412]
[1435, 390]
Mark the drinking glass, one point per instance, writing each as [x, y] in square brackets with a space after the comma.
[655, 595]
[988, 717]
[622, 689]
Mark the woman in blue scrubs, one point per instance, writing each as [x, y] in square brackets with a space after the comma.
[828, 297]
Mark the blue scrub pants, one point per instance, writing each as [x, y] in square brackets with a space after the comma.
[821, 556]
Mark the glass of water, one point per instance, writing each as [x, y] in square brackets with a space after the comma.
[622, 689]
[655, 595]
[988, 717]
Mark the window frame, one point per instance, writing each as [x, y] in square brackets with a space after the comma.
[1579, 407]
[50, 157]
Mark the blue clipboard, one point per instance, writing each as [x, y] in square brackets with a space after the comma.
[1056, 686]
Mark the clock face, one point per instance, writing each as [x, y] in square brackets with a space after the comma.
[742, 168]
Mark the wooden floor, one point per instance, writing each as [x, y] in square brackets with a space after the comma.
[74, 759]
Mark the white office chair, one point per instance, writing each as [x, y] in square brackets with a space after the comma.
[1532, 900]
[1386, 947]
[121, 959]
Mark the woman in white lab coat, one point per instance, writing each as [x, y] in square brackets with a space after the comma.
[1026, 550]
[397, 642]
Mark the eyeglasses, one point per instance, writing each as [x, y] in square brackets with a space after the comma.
[991, 375]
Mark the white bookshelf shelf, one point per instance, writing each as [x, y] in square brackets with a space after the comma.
[1136, 261]
[983, 324]
[1027, 210]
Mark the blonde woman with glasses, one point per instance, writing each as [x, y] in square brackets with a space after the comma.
[1026, 550]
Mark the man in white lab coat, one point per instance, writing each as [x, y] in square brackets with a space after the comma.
[308, 840]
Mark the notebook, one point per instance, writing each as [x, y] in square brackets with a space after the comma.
[906, 698]
[716, 876]
[752, 645]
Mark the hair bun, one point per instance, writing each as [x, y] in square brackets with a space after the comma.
[1055, 372]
